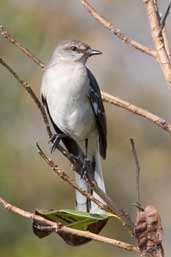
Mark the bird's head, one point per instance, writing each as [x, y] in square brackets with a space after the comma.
[74, 51]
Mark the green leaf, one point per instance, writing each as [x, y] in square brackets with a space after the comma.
[73, 219]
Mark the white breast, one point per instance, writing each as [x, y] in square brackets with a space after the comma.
[65, 87]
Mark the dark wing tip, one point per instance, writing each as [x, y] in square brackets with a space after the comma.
[99, 112]
[103, 151]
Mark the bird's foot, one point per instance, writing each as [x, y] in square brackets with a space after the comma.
[55, 140]
[86, 168]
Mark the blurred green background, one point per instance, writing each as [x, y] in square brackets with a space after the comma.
[25, 180]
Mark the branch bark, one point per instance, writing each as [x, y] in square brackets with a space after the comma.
[108, 207]
[123, 37]
[137, 110]
[58, 227]
[25, 50]
[158, 40]
[30, 91]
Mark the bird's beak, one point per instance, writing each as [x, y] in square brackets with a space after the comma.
[92, 52]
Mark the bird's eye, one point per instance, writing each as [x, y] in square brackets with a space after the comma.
[73, 48]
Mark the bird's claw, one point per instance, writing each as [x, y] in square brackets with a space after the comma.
[55, 140]
[86, 168]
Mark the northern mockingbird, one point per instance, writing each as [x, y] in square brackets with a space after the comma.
[72, 99]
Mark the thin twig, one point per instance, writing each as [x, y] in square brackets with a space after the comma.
[123, 37]
[134, 152]
[159, 252]
[25, 50]
[159, 42]
[166, 43]
[121, 213]
[163, 27]
[30, 91]
[137, 110]
[124, 216]
[164, 34]
[163, 21]
[58, 227]
[125, 219]
[67, 179]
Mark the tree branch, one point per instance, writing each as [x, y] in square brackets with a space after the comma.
[163, 21]
[134, 152]
[123, 37]
[159, 42]
[67, 179]
[58, 227]
[119, 213]
[25, 50]
[137, 110]
[110, 99]
[163, 26]
[30, 91]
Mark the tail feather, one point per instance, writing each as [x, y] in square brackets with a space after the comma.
[84, 204]
[98, 177]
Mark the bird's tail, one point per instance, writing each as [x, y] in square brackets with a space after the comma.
[84, 204]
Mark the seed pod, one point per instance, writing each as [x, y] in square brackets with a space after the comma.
[148, 229]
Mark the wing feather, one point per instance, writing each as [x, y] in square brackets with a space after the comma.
[99, 112]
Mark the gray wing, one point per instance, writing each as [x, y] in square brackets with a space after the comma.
[99, 112]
